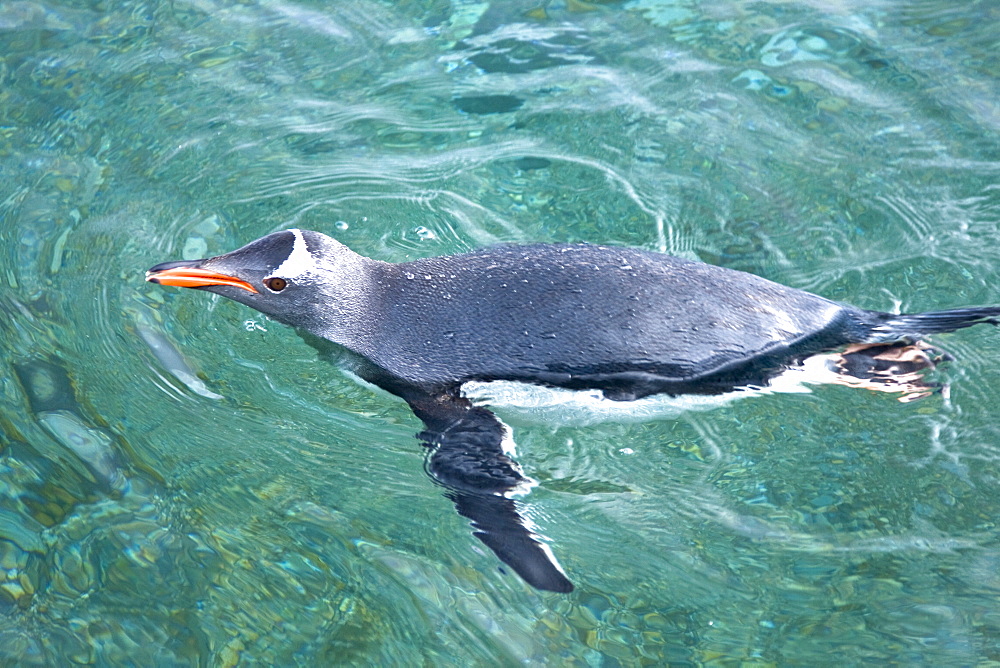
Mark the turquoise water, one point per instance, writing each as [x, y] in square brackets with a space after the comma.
[182, 482]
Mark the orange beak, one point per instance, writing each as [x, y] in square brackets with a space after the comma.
[175, 273]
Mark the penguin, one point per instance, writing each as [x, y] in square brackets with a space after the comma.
[625, 322]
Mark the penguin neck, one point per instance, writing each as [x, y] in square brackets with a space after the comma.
[349, 311]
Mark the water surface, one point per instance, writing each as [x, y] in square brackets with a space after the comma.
[182, 482]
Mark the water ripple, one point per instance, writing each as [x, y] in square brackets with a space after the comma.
[167, 446]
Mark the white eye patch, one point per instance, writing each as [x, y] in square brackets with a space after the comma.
[299, 262]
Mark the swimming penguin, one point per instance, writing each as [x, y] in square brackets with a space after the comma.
[626, 322]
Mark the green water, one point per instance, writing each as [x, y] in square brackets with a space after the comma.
[182, 482]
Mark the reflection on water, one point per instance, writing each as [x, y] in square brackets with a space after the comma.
[182, 482]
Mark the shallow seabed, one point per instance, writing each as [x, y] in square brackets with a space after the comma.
[183, 482]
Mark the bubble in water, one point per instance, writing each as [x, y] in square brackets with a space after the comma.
[341, 225]
[424, 233]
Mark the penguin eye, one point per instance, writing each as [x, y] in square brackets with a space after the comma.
[275, 284]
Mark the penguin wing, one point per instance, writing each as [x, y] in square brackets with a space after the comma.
[467, 457]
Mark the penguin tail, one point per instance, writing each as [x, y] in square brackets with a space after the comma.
[888, 327]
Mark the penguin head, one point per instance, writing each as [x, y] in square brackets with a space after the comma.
[299, 277]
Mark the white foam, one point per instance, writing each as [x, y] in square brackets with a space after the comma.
[529, 404]
[538, 404]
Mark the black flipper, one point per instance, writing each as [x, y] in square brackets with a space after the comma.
[467, 457]
[501, 528]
